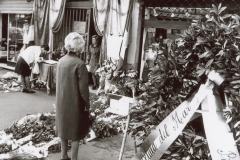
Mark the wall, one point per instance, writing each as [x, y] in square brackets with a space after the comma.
[15, 6]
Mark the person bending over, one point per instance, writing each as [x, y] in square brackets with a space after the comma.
[27, 59]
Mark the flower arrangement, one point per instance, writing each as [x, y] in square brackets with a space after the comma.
[211, 43]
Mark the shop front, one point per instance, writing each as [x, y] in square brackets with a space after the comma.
[162, 26]
[15, 16]
[15, 19]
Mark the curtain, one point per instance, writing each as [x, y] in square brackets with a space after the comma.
[111, 22]
[100, 15]
[41, 21]
[101, 10]
[118, 14]
[31, 31]
[57, 8]
[119, 29]
[126, 37]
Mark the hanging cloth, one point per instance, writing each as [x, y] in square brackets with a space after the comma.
[30, 36]
[101, 11]
[41, 22]
[113, 46]
[100, 15]
[57, 9]
[118, 19]
[127, 8]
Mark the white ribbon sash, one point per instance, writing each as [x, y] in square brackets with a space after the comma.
[169, 129]
[218, 133]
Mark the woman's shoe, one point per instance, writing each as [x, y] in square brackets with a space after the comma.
[30, 91]
[84, 141]
[94, 87]
[24, 90]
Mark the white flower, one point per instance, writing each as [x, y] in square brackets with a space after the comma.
[114, 67]
[122, 75]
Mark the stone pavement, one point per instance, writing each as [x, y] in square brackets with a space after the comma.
[16, 105]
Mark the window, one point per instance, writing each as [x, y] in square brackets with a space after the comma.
[18, 27]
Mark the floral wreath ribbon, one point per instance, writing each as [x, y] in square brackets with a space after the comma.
[220, 139]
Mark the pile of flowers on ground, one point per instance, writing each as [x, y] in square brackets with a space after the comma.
[9, 82]
[34, 132]
[104, 124]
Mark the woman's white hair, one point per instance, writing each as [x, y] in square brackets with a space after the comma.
[74, 42]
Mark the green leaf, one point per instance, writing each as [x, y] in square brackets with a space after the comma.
[238, 37]
[200, 72]
[212, 19]
[222, 9]
[201, 40]
[191, 150]
[221, 19]
[219, 6]
[235, 26]
[238, 133]
[175, 155]
[236, 86]
[229, 120]
[209, 63]
[185, 65]
[198, 144]
[237, 58]
[200, 153]
[226, 16]
[205, 54]
[220, 53]
[195, 21]
[178, 143]
[235, 82]
[215, 10]
[237, 124]
[234, 64]
[167, 152]
[224, 46]
[188, 55]
[224, 26]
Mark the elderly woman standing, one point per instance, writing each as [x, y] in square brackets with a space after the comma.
[72, 97]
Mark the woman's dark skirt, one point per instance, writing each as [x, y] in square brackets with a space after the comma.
[22, 67]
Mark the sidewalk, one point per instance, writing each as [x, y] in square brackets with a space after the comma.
[5, 66]
[102, 149]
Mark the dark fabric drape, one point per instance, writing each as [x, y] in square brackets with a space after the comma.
[41, 21]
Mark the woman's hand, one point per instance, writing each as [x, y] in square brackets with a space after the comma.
[41, 60]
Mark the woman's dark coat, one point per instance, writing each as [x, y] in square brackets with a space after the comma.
[72, 96]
